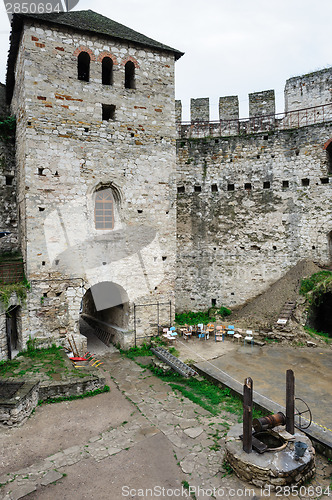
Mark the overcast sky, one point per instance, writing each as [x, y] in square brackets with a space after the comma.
[231, 46]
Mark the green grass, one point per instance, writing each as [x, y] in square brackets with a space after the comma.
[314, 334]
[7, 367]
[193, 318]
[308, 284]
[205, 394]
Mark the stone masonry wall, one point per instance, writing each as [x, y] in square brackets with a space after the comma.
[249, 208]
[65, 151]
[8, 208]
[314, 89]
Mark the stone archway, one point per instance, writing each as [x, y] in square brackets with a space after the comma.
[105, 307]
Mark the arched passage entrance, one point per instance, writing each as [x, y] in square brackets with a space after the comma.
[105, 307]
[320, 317]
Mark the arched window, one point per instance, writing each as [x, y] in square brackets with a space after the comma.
[104, 209]
[83, 67]
[130, 75]
[107, 71]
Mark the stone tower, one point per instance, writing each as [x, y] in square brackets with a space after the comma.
[95, 155]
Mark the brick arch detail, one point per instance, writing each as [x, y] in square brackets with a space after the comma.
[328, 143]
[132, 59]
[105, 53]
[81, 48]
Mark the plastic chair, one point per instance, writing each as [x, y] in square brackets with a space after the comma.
[230, 330]
[249, 337]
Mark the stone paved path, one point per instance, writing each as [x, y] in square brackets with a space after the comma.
[140, 451]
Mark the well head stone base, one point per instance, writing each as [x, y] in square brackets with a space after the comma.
[274, 468]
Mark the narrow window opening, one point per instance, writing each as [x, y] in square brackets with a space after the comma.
[324, 180]
[86, 129]
[107, 71]
[45, 294]
[232, 293]
[164, 258]
[181, 189]
[108, 112]
[104, 210]
[266, 137]
[197, 189]
[247, 186]
[266, 185]
[83, 67]
[329, 157]
[274, 247]
[285, 184]
[297, 152]
[57, 262]
[9, 180]
[29, 123]
[305, 182]
[230, 187]
[130, 75]
[258, 157]
[214, 302]
[41, 209]
[214, 188]
[58, 294]
[56, 174]
[40, 171]
[313, 247]
[140, 211]
[43, 263]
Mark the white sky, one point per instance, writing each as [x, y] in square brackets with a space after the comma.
[231, 47]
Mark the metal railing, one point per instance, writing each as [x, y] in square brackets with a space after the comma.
[256, 124]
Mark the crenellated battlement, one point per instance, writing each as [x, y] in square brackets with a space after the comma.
[308, 100]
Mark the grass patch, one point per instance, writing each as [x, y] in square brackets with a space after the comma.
[205, 394]
[193, 318]
[314, 334]
[20, 289]
[72, 398]
[308, 284]
[135, 352]
[7, 367]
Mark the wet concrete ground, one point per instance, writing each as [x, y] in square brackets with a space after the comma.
[267, 367]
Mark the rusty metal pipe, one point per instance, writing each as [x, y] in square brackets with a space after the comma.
[264, 423]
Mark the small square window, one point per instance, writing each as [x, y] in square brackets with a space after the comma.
[181, 189]
[214, 188]
[230, 187]
[247, 186]
[9, 180]
[305, 182]
[324, 180]
[108, 112]
[266, 185]
[285, 184]
[197, 189]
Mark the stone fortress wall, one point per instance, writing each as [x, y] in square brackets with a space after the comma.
[66, 151]
[254, 195]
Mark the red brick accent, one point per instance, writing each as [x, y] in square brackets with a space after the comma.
[84, 49]
[60, 48]
[67, 97]
[41, 98]
[159, 110]
[326, 145]
[34, 39]
[40, 45]
[130, 58]
[105, 53]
